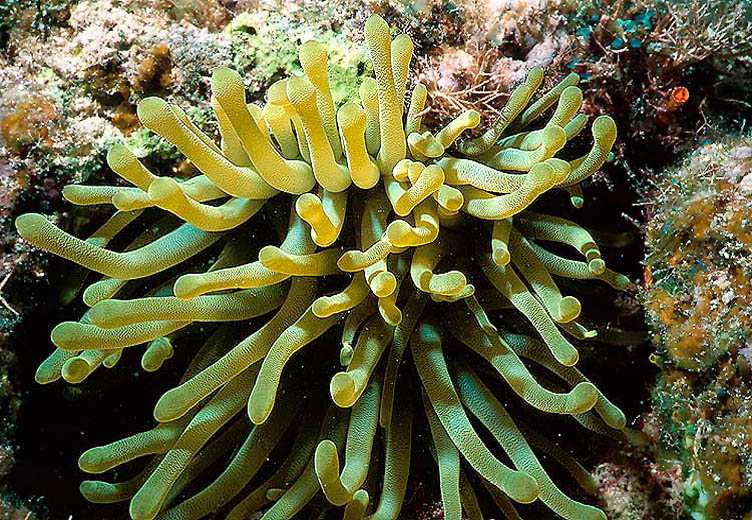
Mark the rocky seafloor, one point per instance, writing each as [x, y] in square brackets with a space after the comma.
[676, 75]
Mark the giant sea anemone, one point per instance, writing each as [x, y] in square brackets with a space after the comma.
[396, 243]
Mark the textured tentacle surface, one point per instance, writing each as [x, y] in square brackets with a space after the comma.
[384, 234]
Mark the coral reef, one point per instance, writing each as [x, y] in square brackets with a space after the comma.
[634, 486]
[684, 60]
[699, 302]
[265, 48]
[669, 71]
[374, 285]
[67, 97]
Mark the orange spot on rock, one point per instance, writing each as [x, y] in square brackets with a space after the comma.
[680, 95]
[676, 98]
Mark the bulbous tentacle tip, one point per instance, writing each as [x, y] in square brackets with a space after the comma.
[89, 490]
[143, 507]
[158, 351]
[582, 398]
[397, 231]
[383, 284]
[541, 174]
[300, 90]
[168, 406]
[69, 192]
[554, 137]
[92, 460]
[307, 204]
[472, 118]
[368, 91]
[425, 144]
[522, 488]
[117, 155]
[361, 495]
[151, 110]
[449, 284]
[29, 224]
[321, 308]
[572, 91]
[450, 198]
[224, 75]
[186, 286]
[345, 355]
[572, 78]
[535, 76]
[342, 389]
[351, 115]
[258, 410]
[561, 168]
[63, 333]
[597, 266]
[312, 53]
[75, 370]
[569, 309]
[428, 333]
[391, 314]
[617, 419]
[401, 169]
[567, 355]
[604, 127]
[43, 377]
[312, 46]
[268, 254]
[501, 256]
[224, 83]
[376, 25]
[623, 283]
[102, 313]
[326, 461]
[277, 93]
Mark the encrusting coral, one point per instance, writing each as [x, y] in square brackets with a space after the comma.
[698, 299]
[384, 263]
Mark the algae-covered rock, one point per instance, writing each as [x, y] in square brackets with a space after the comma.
[265, 48]
[699, 264]
[699, 302]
